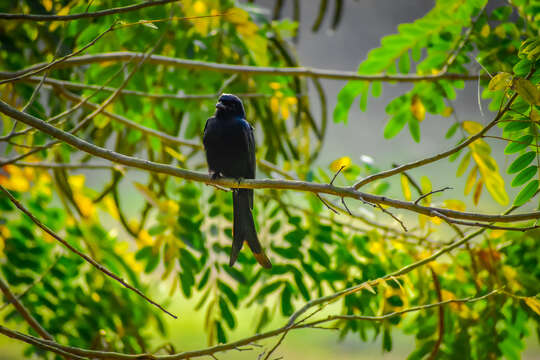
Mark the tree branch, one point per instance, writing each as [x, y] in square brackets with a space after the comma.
[249, 183]
[82, 255]
[118, 10]
[80, 86]
[55, 347]
[429, 160]
[242, 69]
[23, 311]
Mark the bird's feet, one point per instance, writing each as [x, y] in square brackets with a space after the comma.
[215, 175]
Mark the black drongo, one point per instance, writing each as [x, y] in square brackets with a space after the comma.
[230, 152]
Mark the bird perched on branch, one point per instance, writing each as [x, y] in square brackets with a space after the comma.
[230, 152]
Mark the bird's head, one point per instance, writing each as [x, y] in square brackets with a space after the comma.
[230, 105]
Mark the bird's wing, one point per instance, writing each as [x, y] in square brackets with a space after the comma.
[206, 127]
[250, 142]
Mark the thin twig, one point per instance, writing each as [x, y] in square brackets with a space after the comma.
[392, 216]
[23, 311]
[431, 193]
[437, 345]
[336, 174]
[251, 183]
[428, 160]
[326, 203]
[112, 11]
[55, 347]
[55, 63]
[247, 69]
[34, 283]
[82, 255]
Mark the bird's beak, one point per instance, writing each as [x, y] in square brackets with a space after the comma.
[220, 106]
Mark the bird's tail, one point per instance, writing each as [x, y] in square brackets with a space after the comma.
[244, 229]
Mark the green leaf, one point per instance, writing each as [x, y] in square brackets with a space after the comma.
[516, 125]
[522, 68]
[226, 289]
[451, 131]
[464, 164]
[528, 91]
[414, 129]
[394, 126]
[286, 304]
[526, 193]
[226, 313]
[521, 162]
[500, 81]
[404, 64]
[220, 333]
[518, 144]
[524, 176]
[345, 99]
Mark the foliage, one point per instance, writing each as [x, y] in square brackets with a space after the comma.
[181, 234]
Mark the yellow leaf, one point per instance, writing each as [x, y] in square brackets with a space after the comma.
[274, 104]
[292, 100]
[426, 187]
[48, 4]
[500, 31]
[110, 206]
[285, 110]
[369, 288]
[175, 154]
[491, 177]
[485, 30]
[405, 187]
[144, 238]
[237, 16]
[464, 164]
[535, 115]
[447, 111]
[471, 180]
[500, 81]
[337, 164]
[495, 234]
[76, 181]
[472, 127]
[533, 303]
[528, 91]
[147, 193]
[199, 8]
[85, 204]
[274, 85]
[95, 296]
[417, 108]
[477, 192]
[456, 205]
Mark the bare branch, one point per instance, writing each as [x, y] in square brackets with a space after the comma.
[182, 97]
[118, 10]
[82, 255]
[336, 174]
[37, 69]
[429, 160]
[430, 193]
[23, 311]
[245, 69]
[250, 183]
[55, 347]
[70, 166]
[392, 216]
[437, 285]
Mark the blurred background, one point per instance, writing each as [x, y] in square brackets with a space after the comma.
[363, 24]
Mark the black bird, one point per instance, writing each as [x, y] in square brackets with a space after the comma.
[230, 152]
